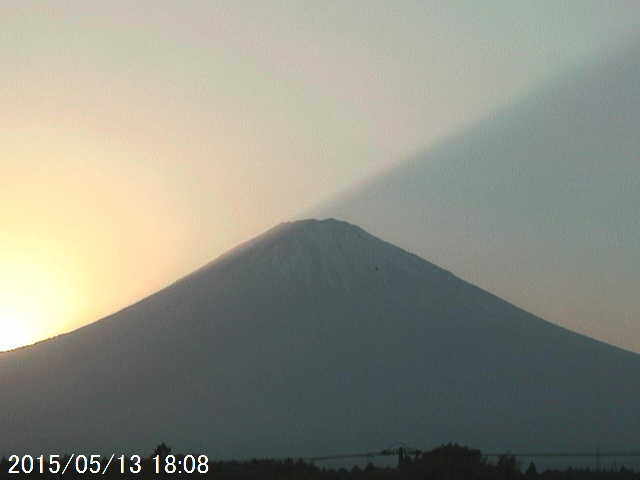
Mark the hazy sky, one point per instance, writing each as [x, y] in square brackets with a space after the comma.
[139, 140]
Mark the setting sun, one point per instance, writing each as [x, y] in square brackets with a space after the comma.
[35, 296]
[16, 327]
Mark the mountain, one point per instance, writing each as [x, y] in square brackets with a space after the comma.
[315, 338]
[538, 201]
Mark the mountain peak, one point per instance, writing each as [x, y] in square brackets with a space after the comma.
[332, 251]
[316, 337]
[317, 223]
[318, 229]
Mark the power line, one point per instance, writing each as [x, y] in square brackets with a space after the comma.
[567, 454]
[404, 450]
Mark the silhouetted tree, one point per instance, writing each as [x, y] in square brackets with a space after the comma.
[449, 462]
[163, 450]
[507, 468]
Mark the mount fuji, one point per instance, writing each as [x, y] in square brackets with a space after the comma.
[314, 338]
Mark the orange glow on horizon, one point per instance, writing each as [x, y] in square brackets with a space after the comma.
[90, 224]
[36, 295]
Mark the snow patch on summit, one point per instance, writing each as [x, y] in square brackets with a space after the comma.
[344, 256]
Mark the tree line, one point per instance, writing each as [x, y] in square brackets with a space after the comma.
[446, 462]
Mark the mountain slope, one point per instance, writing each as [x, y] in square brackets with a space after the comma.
[317, 337]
